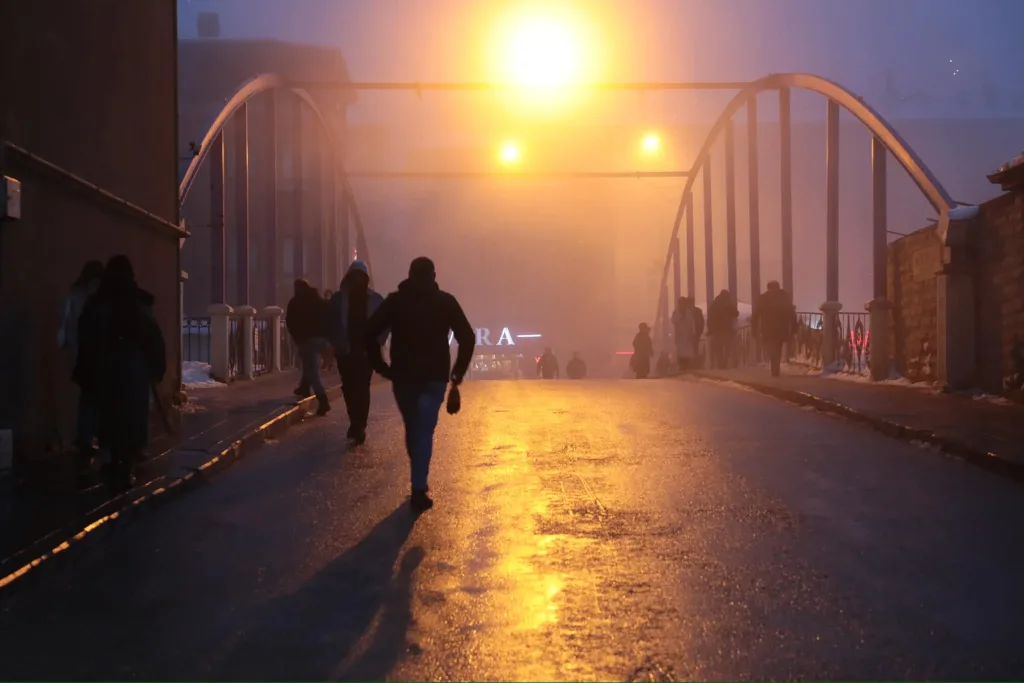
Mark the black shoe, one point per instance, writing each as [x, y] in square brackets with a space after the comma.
[303, 392]
[359, 437]
[323, 406]
[420, 501]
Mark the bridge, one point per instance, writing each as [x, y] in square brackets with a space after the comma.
[681, 256]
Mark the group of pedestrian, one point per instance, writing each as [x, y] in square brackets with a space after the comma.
[547, 366]
[355, 323]
[111, 338]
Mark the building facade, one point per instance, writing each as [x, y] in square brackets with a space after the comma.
[88, 124]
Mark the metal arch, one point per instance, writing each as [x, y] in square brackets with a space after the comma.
[925, 180]
[246, 92]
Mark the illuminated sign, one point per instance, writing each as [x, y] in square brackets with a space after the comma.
[505, 338]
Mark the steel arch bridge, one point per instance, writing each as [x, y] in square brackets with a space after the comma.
[211, 152]
[884, 140]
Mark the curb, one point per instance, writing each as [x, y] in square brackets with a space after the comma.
[986, 460]
[101, 521]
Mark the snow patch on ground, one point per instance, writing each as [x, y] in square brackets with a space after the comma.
[727, 383]
[997, 400]
[196, 375]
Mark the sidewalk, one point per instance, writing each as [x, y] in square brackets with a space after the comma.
[983, 431]
[56, 501]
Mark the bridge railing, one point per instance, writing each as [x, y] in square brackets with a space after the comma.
[853, 351]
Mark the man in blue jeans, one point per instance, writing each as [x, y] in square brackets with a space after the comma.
[419, 316]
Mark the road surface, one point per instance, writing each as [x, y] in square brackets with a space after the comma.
[623, 530]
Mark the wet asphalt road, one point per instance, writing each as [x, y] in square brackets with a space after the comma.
[658, 530]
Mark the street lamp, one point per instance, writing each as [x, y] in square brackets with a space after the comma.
[509, 154]
[650, 144]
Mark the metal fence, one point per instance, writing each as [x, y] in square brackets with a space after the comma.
[235, 344]
[195, 339]
[262, 346]
[853, 350]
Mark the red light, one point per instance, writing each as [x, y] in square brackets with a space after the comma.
[623, 353]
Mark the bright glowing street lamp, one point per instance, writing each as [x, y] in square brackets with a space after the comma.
[650, 144]
[509, 154]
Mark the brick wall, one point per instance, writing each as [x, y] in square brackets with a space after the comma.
[913, 265]
[998, 244]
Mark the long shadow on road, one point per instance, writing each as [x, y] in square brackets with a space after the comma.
[313, 633]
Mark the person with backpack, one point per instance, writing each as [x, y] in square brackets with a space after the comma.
[67, 340]
[350, 308]
[419, 317]
[121, 356]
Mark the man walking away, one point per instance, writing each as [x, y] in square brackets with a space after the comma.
[774, 321]
[306, 319]
[722, 317]
[547, 366]
[350, 308]
[121, 355]
[576, 368]
[419, 316]
[684, 324]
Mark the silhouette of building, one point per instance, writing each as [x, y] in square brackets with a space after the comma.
[88, 124]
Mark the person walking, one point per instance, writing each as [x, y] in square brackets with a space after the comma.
[643, 352]
[547, 366]
[684, 325]
[306, 319]
[774, 321]
[576, 368]
[84, 436]
[722, 316]
[419, 317]
[350, 308]
[121, 356]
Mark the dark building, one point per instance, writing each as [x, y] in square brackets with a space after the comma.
[299, 199]
[88, 120]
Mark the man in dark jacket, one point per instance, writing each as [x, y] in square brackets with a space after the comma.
[121, 355]
[350, 308]
[774, 321]
[306, 319]
[576, 368]
[722, 316]
[419, 316]
[547, 366]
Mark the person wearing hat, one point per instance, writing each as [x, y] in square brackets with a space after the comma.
[420, 317]
[349, 310]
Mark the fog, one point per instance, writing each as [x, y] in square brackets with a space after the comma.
[580, 260]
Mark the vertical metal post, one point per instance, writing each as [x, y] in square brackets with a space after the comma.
[831, 307]
[241, 121]
[832, 203]
[298, 230]
[343, 232]
[273, 257]
[879, 205]
[709, 238]
[218, 241]
[786, 185]
[753, 175]
[691, 268]
[333, 259]
[677, 277]
[730, 206]
[317, 210]
[879, 328]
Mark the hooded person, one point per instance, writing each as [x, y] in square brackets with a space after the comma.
[419, 317]
[722, 316]
[121, 354]
[349, 310]
[576, 368]
[547, 366]
[306, 319]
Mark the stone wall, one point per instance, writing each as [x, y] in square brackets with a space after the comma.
[998, 246]
[913, 264]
